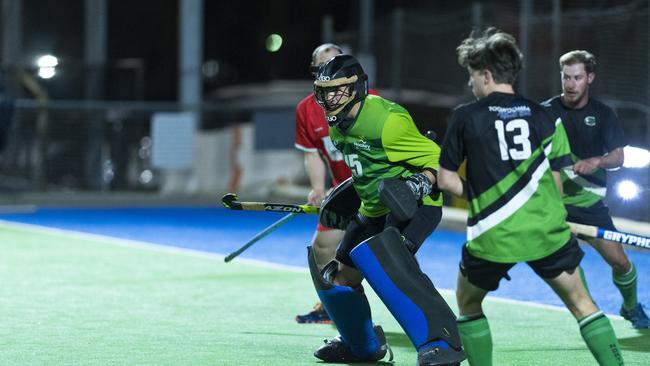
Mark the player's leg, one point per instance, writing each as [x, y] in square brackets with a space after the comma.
[569, 287]
[323, 245]
[337, 210]
[476, 277]
[624, 273]
[339, 290]
[595, 328]
[562, 272]
[472, 323]
[625, 279]
[390, 268]
[613, 254]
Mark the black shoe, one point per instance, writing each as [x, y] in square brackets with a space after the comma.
[337, 351]
[438, 356]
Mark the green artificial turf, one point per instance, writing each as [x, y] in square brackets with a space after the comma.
[68, 299]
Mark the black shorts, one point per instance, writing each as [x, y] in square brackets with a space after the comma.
[360, 228]
[487, 274]
[596, 215]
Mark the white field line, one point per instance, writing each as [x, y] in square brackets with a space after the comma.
[168, 248]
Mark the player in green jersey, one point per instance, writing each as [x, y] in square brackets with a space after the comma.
[393, 169]
[597, 142]
[515, 208]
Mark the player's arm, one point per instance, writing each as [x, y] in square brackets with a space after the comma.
[614, 140]
[450, 181]
[314, 165]
[612, 160]
[452, 157]
[316, 171]
[403, 143]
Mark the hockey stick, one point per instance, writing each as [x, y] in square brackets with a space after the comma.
[259, 236]
[231, 201]
[615, 236]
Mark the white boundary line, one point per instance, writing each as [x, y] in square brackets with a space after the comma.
[168, 248]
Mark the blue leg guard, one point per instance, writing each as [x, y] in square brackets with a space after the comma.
[408, 293]
[348, 308]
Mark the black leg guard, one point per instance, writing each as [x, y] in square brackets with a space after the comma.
[349, 310]
[409, 294]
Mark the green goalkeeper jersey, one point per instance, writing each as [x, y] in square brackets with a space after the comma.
[383, 142]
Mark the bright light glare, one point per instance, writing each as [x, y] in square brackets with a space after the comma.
[47, 61]
[627, 189]
[46, 72]
[636, 157]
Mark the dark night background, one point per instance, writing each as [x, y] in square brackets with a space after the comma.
[142, 63]
[234, 35]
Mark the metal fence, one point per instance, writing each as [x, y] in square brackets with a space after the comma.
[415, 51]
[89, 145]
[103, 146]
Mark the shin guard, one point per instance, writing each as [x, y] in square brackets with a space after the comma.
[348, 309]
[406, 291]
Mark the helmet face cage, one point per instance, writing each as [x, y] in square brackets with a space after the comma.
[332, 98]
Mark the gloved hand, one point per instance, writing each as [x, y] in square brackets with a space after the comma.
[420, 185]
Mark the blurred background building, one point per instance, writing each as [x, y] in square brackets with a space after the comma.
[190, 98]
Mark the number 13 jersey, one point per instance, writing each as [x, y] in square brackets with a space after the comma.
[511, 145]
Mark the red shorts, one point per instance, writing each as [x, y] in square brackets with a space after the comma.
[320, 227]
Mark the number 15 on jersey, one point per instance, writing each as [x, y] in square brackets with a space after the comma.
[352, 161]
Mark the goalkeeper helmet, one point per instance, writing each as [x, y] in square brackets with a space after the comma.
[340, 84]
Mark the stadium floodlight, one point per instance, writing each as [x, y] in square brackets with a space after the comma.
[46, 66]
[636, 157]
[47, 61]
[46, 72]
[627, 190]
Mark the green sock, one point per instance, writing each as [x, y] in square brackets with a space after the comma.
[627, 286]
[477, 340]
[599, 335]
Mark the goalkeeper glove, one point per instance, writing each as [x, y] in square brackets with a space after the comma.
[420, 184]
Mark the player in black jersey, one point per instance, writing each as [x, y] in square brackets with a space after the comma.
[515, 209]
[597, 142]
